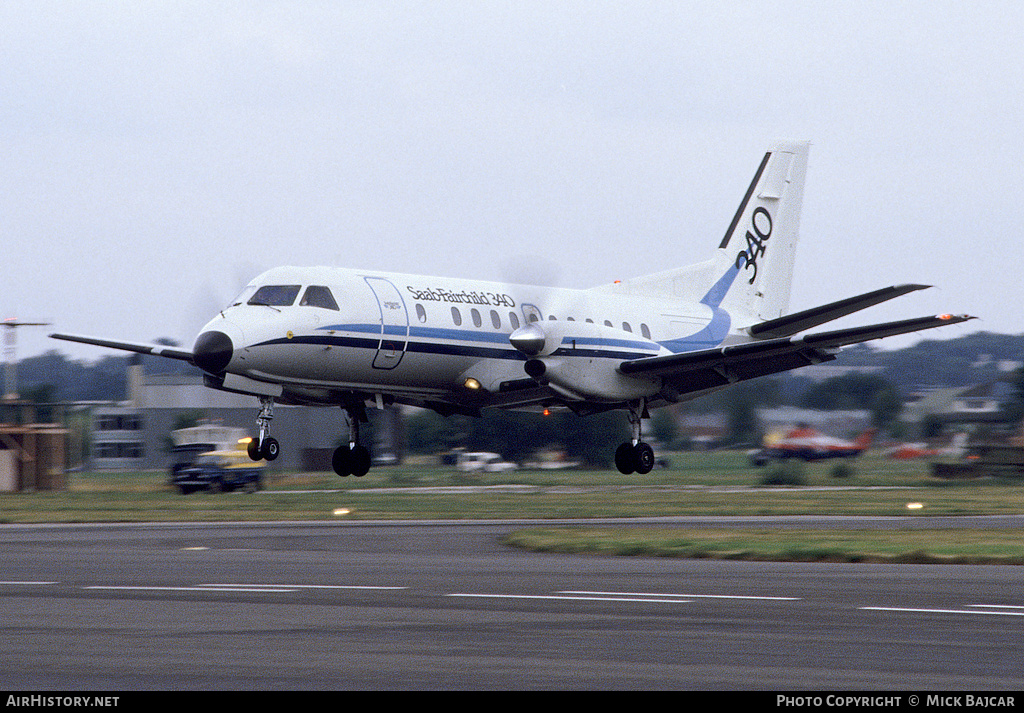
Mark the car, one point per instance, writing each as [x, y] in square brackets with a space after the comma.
[482, 462]
[220, 472]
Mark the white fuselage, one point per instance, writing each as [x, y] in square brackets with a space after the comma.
[417, 336]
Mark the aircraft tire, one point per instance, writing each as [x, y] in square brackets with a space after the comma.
[341, 461]
[271, 449]
[360, 461]
[254, 450]
[625, 459]
[644, 457]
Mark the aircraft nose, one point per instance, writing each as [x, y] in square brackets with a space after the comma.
[212, 351]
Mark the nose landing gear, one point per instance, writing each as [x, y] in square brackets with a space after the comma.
[263, 446]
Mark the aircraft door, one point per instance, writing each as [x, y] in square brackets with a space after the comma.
[394, 323]
[532, 313]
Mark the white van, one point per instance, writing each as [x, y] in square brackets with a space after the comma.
[482, 462]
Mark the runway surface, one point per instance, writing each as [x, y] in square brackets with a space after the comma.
[445, 606]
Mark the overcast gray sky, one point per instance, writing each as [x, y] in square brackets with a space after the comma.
[157, 156]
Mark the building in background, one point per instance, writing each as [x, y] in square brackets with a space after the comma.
[135, 434]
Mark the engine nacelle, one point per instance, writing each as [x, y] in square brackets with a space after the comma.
[590, 379]
[580, 360]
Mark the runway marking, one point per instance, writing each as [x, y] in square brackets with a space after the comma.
[27, 584]
[256, 588]
[564, 597]
[947, 611]
[998, 606]
[693, 596]
[308, 586]
[194, 588]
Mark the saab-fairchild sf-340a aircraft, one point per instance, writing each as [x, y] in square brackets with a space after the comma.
[327, 336]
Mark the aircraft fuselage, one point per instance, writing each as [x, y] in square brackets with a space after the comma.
[319, 331]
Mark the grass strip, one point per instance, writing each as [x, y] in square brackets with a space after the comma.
[697, 484]
[931, 546]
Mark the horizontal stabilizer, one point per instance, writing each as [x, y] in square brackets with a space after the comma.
[152, 349]
[763, 353]
[799, 321]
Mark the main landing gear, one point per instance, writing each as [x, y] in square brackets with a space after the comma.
[351, 459]
[635, 456]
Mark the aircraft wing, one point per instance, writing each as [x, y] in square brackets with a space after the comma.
[138, 348]
[711, 368]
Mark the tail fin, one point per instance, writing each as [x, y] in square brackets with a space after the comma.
[751, 273]
[760, 244]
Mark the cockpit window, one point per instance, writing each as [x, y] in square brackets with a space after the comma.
[243, 296]
[318, 296]
[275, 295]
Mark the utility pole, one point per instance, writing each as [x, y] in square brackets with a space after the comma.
[11, 355]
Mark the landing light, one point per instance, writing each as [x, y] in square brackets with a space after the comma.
[471, 384]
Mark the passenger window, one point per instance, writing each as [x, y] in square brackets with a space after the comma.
[514, 319]
[626, 327]
[495, 319]
[421, 313]
[645, 330]
[457, 316]
[318, 296]
[477, 320]
[276, 295]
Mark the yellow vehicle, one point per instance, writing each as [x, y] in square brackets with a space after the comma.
[220, 472]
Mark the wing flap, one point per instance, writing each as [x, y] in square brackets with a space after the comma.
[138, 348]
[738, 362]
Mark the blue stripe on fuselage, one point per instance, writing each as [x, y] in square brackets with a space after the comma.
[715, 332]
[720, 289]
[470, 343]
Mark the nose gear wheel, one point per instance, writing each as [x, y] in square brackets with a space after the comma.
[263, 446]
